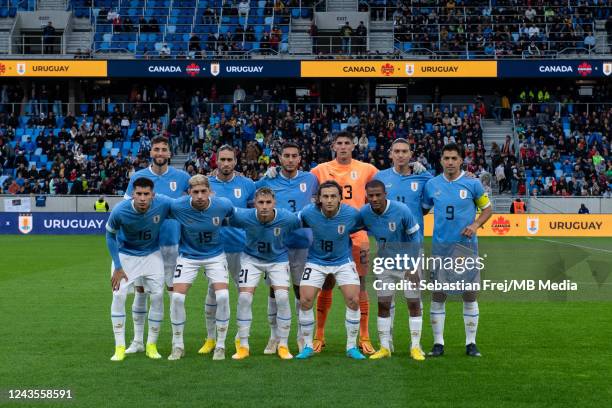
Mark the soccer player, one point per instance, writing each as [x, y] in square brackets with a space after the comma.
[132, 237]
[200, 216]
[265, 253]
[172, 183]
[404, 182]
[239, 190]
[294, 190]
[455, 199]
[330, 254]
[397, 233]
[352, 176]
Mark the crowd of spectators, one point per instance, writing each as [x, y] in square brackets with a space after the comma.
[503, 28]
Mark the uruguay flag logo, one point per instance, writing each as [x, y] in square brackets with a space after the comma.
[341, 229]
[463, 194]
[414, 186]
[237, 193]
[173, 185]
[25, 223]
[303, 187]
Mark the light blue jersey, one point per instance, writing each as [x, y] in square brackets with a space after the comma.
[293, 194]
[406, 189]
[138, 233]
[396, 225]
[240, 191]
[174, 184]
[331, 245]
[200, 230]
[266, 242]
[455, 204]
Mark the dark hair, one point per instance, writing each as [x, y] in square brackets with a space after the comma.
[343, 134]
[143, 182]
[375, 184]
[227, 148]
[160, 139]
[290, 145]
[328, 184]
[453, 147]
[400, 140]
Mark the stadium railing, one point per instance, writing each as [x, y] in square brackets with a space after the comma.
[33, 108]
[25, 44]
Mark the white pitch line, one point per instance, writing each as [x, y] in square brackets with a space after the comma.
[574, 245]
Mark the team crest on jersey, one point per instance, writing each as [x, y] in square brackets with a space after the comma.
[354, 175]
[277, 232]
[392, 226]
[237, 193]
[341, 229]
[156, 219]
[173, 185]
[414, 186]
[463, 194]
[438, 193]
[25, 223]
[216, 221]
[533, 225]
[303, 187]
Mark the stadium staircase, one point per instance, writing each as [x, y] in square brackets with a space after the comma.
[493, 132]
[59, 5]
[81, 35]
[341, 5]
[601, 37]
[380, 36]
[299, 39]
[6, 24]
[178, 160]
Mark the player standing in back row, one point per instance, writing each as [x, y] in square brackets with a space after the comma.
[240, 191]
[172, 183]
[294, 190]
[352, 175]
[455, 199]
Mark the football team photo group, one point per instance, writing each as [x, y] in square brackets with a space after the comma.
[303, 234]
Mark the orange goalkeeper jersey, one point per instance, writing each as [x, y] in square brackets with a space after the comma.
[352, 177]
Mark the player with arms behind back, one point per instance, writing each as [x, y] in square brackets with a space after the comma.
[239, 190]
[172, 183]
[455, 199]
[201, 216]
[404, 182]
[330, 254]
[265, 253]
[132, 238]
[352, 175]
[397, 233]
[294, 190]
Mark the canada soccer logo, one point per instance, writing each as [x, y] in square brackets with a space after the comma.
[2, 69]
[585, 69]
[387, 69]
[192, 69]
[500, 226]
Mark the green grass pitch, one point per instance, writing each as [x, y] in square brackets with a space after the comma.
[538, 350]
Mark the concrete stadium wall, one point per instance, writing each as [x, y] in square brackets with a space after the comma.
[568, 205]
[64, 203]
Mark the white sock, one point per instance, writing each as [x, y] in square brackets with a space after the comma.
[437, 315]
[283, 316]
[416, 326]
[297, 313]
[156, 316]
[352, 327]
[177, 318]
[210, 310]
[222, 316]
[118, 318]
[139, 314]
[470, 321]
[272, 311]
[384, 330]
[306, 318]
[244, 317]
[392, 321]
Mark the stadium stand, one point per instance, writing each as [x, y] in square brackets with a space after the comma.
[557, 149]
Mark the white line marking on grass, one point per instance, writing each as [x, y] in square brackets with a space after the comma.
[574, 245]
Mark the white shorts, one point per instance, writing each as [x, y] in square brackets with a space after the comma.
[314, 275]
[233, 265]
[396, 277]
[297, 262]
[169, 255]
[215, 269]
[147, 271]
[276, 274]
